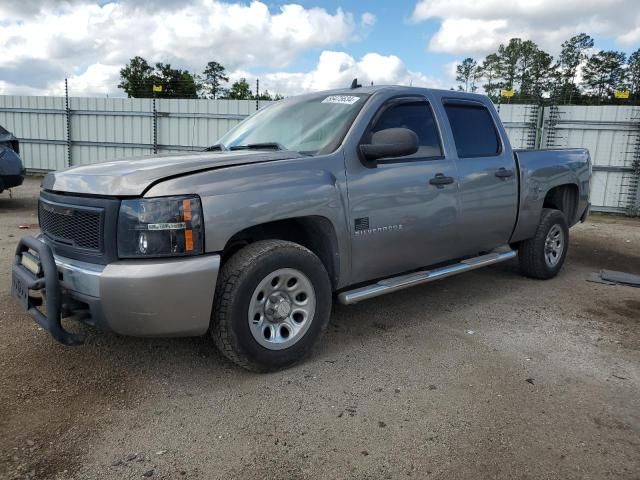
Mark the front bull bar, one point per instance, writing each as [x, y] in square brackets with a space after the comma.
[47, 282]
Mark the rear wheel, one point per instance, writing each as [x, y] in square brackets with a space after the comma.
[273, 301]
[542, 256]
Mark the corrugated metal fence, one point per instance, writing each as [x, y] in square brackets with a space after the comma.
[611, 133]
[55, 135]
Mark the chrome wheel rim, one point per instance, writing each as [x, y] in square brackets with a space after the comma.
[554, 246]
[281, 308]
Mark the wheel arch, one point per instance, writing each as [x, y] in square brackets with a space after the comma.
[314, 232]
[564, 198]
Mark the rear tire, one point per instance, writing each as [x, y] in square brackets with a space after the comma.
[272, 303]
[542, 256]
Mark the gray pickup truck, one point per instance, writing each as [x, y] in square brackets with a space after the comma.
[350, 194]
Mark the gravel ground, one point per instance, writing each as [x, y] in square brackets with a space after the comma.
[484, 375]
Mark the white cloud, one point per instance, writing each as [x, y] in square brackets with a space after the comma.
[338, 69]
[84, 40]
[473, 26]
[368, 19]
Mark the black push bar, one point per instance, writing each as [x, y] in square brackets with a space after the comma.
[46, 281]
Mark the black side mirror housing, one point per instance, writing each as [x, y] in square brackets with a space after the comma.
[389, 143]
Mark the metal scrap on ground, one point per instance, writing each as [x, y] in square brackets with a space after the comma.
[611, 277]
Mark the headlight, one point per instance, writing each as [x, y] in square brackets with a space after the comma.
[160, 227]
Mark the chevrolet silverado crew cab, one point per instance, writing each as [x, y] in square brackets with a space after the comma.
[346, 194]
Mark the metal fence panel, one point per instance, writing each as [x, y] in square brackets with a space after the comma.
[102, 129]
[39, 123]
[521, 124]
[189, 124]
[611, 133]
[110, 128]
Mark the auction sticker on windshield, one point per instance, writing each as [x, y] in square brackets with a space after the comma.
[344, 99]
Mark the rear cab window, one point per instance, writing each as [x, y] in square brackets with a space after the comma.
[473, 129]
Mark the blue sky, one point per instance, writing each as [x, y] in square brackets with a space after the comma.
[393, 34]
[293, 46]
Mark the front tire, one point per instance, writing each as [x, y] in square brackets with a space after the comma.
[272, 303]
[542, 256]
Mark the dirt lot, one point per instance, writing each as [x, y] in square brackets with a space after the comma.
[485, 375]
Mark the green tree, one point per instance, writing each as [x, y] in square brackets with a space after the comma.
[175, 83]
[214, 76]
[266, 95]
[240, 90]
[136, 78]
[509, 62]
[538, 78]
[527, 57]
[467, 74]
[573, 53]
[634, 75]
[604, 72]
[490, 71]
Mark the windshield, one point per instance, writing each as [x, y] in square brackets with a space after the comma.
[310, 124]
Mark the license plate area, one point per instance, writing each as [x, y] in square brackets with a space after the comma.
[20, 290]
[31, 263]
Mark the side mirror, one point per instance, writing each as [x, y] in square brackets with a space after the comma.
[389, 143]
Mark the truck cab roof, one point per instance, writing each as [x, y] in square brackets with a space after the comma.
[401, 90]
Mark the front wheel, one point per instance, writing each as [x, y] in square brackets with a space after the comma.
[273, 302]
[542, 255]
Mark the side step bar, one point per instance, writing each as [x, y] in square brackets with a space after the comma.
[401, 282]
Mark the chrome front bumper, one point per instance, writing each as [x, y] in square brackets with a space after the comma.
[147, 298]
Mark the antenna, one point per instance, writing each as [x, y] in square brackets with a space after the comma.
[355, 84]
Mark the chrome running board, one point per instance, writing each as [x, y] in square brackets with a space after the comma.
[393, 284]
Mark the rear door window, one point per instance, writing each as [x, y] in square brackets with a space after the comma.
[473, 130]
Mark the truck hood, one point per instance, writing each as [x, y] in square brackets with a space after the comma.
[133, 177]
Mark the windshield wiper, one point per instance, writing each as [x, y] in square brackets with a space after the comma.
[259, 146]
[218, 147]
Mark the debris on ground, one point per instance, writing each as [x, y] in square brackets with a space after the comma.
[612, 277]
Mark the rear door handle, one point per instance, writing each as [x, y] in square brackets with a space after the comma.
[504, 173]
[440, 180]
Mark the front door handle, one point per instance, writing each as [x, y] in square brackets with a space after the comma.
[504, 173]
[440, 180]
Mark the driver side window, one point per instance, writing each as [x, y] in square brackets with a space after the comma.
[418, 117]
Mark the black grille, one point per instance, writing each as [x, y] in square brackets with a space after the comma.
[69, 225]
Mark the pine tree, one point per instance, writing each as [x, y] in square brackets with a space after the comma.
[508, 59]
[604, 72]
[573, 53]
[467, 74]
[490, 71]
[214, 76]
[634, 75]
